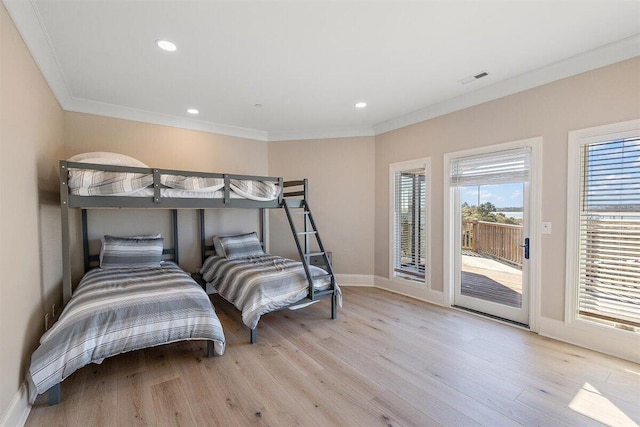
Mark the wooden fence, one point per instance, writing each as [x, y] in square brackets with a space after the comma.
[500, 241]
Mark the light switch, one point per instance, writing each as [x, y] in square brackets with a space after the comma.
[546, 228]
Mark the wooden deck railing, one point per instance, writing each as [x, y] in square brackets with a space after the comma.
[501, 241]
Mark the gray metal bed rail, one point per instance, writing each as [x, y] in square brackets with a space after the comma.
[157, 200]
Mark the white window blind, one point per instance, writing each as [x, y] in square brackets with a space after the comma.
[609, 238]
[496, 168]
[410, 223]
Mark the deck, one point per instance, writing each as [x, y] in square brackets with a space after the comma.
[491, 280]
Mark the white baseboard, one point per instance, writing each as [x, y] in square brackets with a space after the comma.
[409, 289]
[622, 344]
[354, 280]
[18, 410]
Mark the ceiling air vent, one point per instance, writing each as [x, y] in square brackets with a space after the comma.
[473, 78]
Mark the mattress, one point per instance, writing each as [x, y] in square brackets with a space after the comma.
[88, 182]
[260, 284]
[114, 311]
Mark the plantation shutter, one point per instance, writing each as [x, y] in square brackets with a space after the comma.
[609, 254]
[410, 222]
[496, 168]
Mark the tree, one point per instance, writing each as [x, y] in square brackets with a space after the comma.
[485, 212]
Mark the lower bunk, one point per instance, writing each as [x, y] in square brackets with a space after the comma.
[257, 283]
[119, 310]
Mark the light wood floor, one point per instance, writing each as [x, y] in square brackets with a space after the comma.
[387, 361]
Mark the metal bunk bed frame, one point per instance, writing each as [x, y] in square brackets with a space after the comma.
[71, 201]
[287, 200]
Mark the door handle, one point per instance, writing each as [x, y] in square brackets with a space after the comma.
[526, 248]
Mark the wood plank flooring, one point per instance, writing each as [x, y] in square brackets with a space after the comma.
[387, 360]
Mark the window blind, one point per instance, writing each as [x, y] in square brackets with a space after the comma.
[496, 168]
[410, 222]
[609, 254]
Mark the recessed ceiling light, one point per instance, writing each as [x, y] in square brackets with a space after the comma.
[192, 111]
[360, 104]
[166, 45]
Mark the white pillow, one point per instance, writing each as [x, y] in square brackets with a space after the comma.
[106, 158]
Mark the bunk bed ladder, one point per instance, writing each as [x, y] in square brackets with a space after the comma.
[310, 229]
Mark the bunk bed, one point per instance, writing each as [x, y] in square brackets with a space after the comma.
[98, 181]
[257, 283]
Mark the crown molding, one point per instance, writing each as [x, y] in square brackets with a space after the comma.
[27, 19]
[25, 15]
[296, 135]
[119, 112]
[606, 55]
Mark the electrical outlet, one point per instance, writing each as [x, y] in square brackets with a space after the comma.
[46, 321]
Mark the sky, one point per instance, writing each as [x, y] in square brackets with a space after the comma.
[501, 195]
[613, 174]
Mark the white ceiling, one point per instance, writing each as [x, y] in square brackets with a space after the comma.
[308, 62]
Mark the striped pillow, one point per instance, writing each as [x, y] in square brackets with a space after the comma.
[240, 246]
[131, 252]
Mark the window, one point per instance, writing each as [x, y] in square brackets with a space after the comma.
[409, 219]
[606, 286]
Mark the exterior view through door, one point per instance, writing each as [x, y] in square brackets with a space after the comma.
[491, 193]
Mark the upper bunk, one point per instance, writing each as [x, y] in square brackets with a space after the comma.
[109, 180]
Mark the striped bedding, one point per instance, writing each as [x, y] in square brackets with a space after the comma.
[260, 284]
[114, 311]
[88, 182]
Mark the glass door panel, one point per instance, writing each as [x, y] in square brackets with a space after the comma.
[491, 225]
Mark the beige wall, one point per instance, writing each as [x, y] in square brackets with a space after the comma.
[607, 95]
[31, 128]
[171, 148]
[341, 174]
[164, 146]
